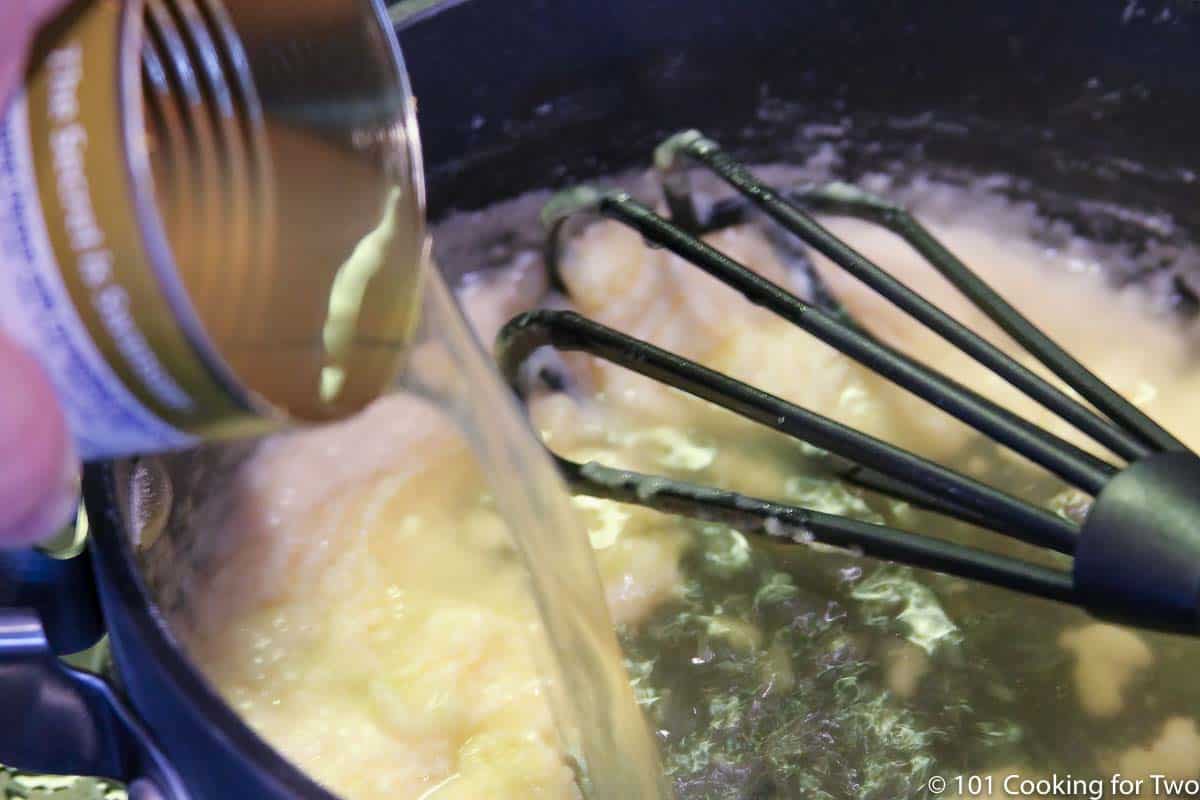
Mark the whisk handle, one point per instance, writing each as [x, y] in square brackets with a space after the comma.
[1138, 556]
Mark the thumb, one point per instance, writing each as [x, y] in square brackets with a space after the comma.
[19, 21]
[39, 475]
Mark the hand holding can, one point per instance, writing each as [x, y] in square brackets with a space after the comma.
[37, 462]
[199, 242]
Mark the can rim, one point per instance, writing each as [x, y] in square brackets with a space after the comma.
[412, 135]
[148, 212]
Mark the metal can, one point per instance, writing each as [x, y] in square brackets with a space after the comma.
[212, 216]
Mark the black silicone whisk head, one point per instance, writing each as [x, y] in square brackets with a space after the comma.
[1136, 555]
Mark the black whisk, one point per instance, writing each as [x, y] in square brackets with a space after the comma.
[1137, 552]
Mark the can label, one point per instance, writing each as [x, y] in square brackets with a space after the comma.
[104, 416]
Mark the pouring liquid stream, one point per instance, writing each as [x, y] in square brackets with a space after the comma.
[601, 726]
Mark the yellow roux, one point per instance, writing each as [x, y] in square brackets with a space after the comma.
[372, 622]
[175, 234]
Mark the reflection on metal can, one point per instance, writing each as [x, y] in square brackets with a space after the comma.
[211, 216]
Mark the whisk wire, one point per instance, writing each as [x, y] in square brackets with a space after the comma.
[1029, 336]
[1072, 464]
[854, 201]
[782, 522]
[789, 524]
[566, 330]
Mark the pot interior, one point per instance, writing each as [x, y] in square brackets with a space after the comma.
[1077, 114]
